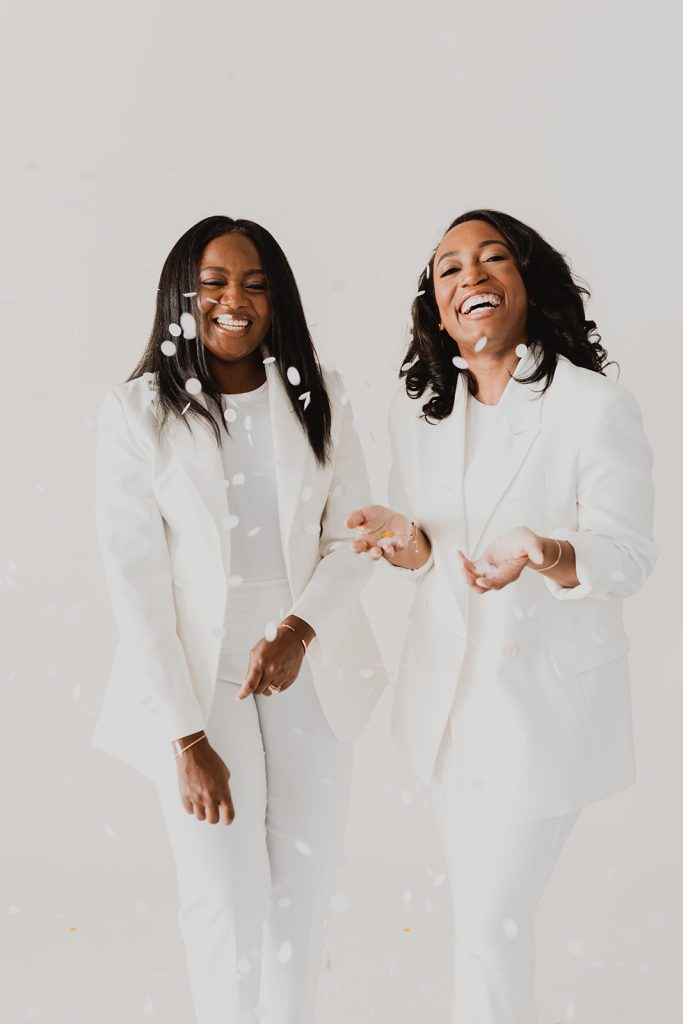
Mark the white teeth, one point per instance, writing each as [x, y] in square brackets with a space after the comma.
[473, 300]
[231, 321]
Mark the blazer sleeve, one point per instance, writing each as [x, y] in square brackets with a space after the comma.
[341, 574]
[137, 568]
[397, 492]
[614, 545]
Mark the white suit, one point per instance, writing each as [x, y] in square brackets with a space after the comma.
[254, 895]
[514, 705]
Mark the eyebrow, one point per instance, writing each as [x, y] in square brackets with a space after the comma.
[222, 270]
[482, 245]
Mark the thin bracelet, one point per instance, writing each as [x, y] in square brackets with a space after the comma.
[181, 750]
[287, 626]
[557, 560]
[413, 535]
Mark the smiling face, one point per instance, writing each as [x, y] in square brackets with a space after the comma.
[479, 290]
[232, 298]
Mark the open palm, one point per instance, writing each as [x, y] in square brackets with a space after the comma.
[503, 560]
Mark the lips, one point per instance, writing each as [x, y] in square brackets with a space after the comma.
[232, 324]
[479, 302]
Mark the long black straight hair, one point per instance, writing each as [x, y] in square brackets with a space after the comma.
[288, 338]
[555, 322]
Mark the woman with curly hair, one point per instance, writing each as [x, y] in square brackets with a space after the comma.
[521, 499]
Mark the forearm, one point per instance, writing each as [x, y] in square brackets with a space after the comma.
[415, 554]
[564, 571]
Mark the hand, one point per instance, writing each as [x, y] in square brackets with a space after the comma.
[503, 560]
[277, 661]
[383, 531]
[203, 784]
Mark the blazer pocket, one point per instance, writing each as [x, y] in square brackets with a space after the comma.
[584, 653]
[527, 485]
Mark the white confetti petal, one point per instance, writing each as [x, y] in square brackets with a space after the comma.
[337, 491]
[407, 897]
[481, 344]
[188, 325]
[345, 398]
[531, 611]
[284, 953]
[109, 830]
[367, 673]
[231, 521]
[14, 909]
[185, 409]
[518, 612]
[510, 928]
[576, 945]
[238, 479]
[293, 375]
[439, 879]
[189, 295]
[269, 359]
[461, 363]
[339, 902]
[307, 494]
[254, 530]
[169, 348]
[418, 294]
[521, 351]
[149, 1007]
[230, 414]
[247, 423]
[427, 271]
[76, 692]
[305, 397]
[175, 329]
[270, 631]
[303, 847]
[193, 386]
[313, 529]
[235, 581]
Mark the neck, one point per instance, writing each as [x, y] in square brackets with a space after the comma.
[492, 372]
[235, 378]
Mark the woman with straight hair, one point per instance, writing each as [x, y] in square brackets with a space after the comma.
[245, 664]
[521, 501]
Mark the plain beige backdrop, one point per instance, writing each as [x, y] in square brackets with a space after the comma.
[355, 132]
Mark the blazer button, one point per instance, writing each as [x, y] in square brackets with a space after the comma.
[509, 651]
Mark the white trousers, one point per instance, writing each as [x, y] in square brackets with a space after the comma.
[254, 895]
[497, 874]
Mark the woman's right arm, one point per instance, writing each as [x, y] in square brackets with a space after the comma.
[138, 572]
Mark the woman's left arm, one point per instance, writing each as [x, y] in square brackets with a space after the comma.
[613, 541]
[340, 574]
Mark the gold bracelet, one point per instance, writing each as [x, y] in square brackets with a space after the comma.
[557, 560]
[287, 626]
[181, 750]
[413, 534]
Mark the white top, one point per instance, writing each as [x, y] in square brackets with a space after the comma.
[251, 488]
[479, 419]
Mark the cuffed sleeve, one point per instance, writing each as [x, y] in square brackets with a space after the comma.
[613, 539]
[137, 568]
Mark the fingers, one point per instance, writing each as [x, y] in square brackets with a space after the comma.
[478, 583]
[226, 811]
[251, 682]
[355, 519]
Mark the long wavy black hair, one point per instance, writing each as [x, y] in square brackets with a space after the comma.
[288, 338]
[555, 322]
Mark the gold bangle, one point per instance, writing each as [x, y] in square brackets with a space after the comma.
[557, 560]
[287, 626]
[413, 535]
[181, 750]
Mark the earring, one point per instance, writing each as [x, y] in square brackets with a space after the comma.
[440, 326]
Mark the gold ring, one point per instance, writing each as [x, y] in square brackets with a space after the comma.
[273, 688]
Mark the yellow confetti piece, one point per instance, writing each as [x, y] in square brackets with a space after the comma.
[407, 929]
[72, 929]
[387, 533]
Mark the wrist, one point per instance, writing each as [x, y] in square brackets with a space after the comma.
[552, 551]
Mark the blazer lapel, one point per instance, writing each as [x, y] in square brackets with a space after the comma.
[503, 451]
[440, 460]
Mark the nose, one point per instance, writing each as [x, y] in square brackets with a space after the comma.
[473, 274]
[232, 296]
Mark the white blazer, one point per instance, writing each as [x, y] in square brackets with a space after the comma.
[161, 511]
[534, 677]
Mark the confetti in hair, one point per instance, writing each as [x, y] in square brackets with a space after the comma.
[461, 363]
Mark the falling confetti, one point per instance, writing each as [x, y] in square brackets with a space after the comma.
[270, 631]
[168, 348]
[305, 397]
[510, 928]
[481, 344]
[339, 903]
[303, 847]
[427, 271]
[439, 879]
[418, 294]
[284, 953]
[235, 581]
[230, 415]
[193, 386]
[189, 295]
[109, 830]
[175, 329]
[76, 692]
[238, 479]
[231, 521]
[521, 351]
[485, 569]
[269, 359]
[461, 363]
[188, 325]
[254, 530]
[247, 423]
[576, 945]
[13, 910]
[307, 494]
[345, 398]
[531, 611]
[518, 612]
[293, 375]
[407, 897]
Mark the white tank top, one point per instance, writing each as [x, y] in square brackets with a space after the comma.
[251, 488]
